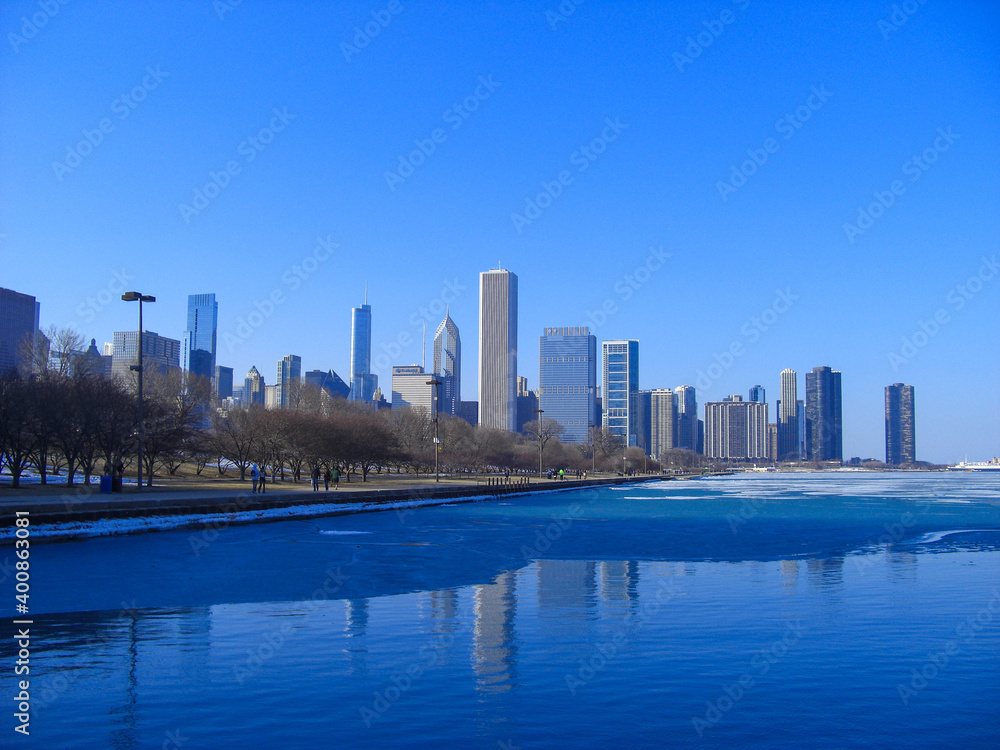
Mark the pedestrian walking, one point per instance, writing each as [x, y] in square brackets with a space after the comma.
[326, 479]
[315, 478]
[263, 479]
[254, 477]
[336, 478]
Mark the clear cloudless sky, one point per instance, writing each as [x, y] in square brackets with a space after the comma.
[696, 89]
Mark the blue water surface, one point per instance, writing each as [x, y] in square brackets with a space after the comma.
[822, 611]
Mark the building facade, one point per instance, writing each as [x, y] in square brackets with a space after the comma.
[788, 418]
[222, 384]
[410, 388]
[662, 422]
[287, 379]
[448, 365]
[758, 395]
[329, 382]
[641, 410]
[900, 430]
[686, 414]
[198, 346]
[736, 430]
[824, 421]
[18, 329]
[567, 380]
[498, 349]
[619, 384]
[253, 387]
[158, 352]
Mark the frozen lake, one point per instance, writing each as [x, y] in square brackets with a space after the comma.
[780, 611]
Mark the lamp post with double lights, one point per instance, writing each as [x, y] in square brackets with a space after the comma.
[140, 298]
[434, 382]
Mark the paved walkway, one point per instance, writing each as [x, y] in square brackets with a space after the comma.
[82, 503]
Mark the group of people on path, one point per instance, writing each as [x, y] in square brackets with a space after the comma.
[327, 477]
[259, 479]
[561, 474]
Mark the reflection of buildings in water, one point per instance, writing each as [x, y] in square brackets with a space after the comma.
[902, 566]
[826, 571]
[566, 584]
[494, 649]
[619, 580]
[356, 611]
[790, 572]
[444, 608]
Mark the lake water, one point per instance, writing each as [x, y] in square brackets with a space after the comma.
[768, 611]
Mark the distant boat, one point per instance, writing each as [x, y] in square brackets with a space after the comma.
[992, 465]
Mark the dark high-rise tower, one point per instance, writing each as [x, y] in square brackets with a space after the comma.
[900, 434]
[824, 423]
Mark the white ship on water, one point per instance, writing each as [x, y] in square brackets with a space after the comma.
[992, 465]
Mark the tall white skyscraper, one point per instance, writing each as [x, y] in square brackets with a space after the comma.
[498, 349]
[662, 422]
[788, 416]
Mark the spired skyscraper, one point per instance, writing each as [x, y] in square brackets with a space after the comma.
[900, 431]
[498, 349]
[567, 380]
[620, 384]
[198, 347]
[448, 365]
[363, 382]
[824, 422]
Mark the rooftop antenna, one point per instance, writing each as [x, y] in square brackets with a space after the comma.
[366, 292]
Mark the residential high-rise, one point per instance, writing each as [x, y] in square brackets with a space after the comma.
[158, 352]
[900, 431]
[686, 414]
[253, 387]
[619, 384]
[363, 381]
[567, 380]
[641, 422]
[824, 424]
[410, 388]
[662, 422]
[757, 394]
[18, 328]
[223, 382]
[448, 365]
[736, 429]
[288, 378]
[498, 349]
[788, 418]
[198, 346]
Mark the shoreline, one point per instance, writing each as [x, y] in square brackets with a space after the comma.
[140, 513]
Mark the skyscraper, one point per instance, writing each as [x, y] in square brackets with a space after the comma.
[567, 380]
[788, 418]
[640, 409]
[198, 347]
[253, 387]
[448, 365]
[900, 431]
[757, 394]
[824, 425]
[410, 388]
[498, 349]
[289, 376]
[329, 382]
[619, 384]
[662, 422]
[363, 382]
[18, 328]
[736, 429]
[223, 382]
[686, 414]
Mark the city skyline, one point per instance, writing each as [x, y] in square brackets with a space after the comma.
[561, 151]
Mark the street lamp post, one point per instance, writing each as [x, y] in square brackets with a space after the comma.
[539, 412]
[140, 298]
[437, 440]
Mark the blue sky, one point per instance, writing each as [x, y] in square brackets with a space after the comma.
[704, 160]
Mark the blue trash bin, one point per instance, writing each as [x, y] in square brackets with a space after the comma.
[105, 484]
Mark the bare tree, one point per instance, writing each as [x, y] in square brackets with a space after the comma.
[237, 435]
[17, 439]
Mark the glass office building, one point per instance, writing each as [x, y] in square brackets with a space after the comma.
[619, 384]
[567, 377]
[198, 347]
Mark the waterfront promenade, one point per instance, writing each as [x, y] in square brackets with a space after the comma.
[80, 503]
